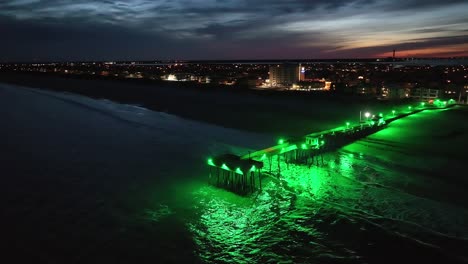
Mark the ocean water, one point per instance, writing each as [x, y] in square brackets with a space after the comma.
[88, 181]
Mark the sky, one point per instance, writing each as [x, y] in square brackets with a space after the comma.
[59, 30]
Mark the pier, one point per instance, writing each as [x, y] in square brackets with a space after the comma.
[243, 174]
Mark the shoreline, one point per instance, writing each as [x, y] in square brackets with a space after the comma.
[282, 114]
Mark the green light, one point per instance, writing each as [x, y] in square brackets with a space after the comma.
[409, 107]
[210, 162]
[367, 114]
[224, 167]
[323, 142]
[281, 141]
[372, 123]
[238, 170]
[253, 168]
[263, 156]
[304, 146]
[381, 115]
[347, 124]
[393, 111]
[422, 104]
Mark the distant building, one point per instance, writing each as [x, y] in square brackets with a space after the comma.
[313, 85]
[365, 89]
[302, 73]
[179, 77]
[393, 91]
[284, 75]
[424, 94]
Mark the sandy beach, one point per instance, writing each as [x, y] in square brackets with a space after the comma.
[275, 113]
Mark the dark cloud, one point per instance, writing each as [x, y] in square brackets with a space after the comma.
[222, 29]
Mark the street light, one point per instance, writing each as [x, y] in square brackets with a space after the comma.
[367, 115]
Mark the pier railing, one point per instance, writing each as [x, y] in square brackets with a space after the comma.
[243, 174]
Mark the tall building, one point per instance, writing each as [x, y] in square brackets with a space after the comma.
[284, 75]
[301, 73]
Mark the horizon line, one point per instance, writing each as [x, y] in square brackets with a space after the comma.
[376, 59]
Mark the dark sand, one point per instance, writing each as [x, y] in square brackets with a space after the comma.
[277, 113]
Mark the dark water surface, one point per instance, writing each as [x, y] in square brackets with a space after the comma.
[86, 181]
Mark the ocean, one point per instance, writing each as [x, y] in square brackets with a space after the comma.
[88, 181]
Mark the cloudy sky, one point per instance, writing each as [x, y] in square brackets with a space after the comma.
[228, 29]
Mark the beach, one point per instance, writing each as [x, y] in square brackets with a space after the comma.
[281, 114]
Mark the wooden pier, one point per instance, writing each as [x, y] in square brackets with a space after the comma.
[233, 173]
[243, 174]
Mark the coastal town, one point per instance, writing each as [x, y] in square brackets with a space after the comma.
[389, 79]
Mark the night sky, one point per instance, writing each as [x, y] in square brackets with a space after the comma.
[230, 29]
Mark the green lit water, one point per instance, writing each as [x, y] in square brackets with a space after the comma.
[87, 181]
[362, 205]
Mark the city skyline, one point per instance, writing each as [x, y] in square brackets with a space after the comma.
[224, 30]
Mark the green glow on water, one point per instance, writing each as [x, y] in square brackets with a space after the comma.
[238, 229]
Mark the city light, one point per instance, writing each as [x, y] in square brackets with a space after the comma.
[367, 114]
